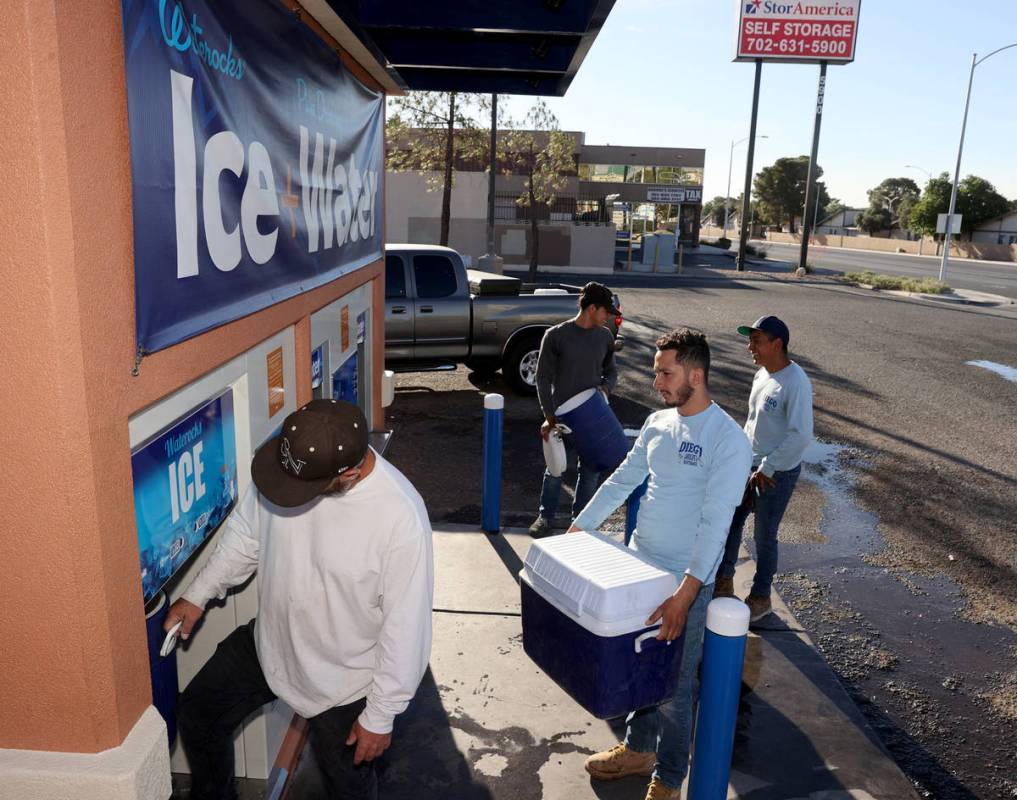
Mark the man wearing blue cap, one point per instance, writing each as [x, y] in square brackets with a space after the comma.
[779, 426]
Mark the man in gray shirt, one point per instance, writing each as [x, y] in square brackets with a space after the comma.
[779, 426]
[574, 356]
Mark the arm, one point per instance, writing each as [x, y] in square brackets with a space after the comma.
[616, 489]
[609, 371]
[547, 364]
[404, 644]
[725, 485]
[789, 453]
[235, 557]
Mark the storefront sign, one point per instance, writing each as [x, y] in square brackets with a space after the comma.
[185, 483]
[317, 366]
[276, 384]
[256, 159]
[781, 30]
[665, 195]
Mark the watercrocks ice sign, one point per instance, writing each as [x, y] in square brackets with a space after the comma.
[779, 30]
[256, 159]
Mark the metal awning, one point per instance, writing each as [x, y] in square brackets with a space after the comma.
[530, 47]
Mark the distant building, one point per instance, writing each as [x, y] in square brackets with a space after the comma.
[577, 229]
[843, 223]
[1002, 230]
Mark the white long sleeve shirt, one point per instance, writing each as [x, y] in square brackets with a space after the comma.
[779, 424]
[345, 586]
[697, 467]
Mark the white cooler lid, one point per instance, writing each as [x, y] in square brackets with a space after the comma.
[601, 584]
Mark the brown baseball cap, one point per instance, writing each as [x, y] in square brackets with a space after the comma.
[317, 442]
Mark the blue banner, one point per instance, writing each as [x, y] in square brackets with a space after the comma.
[345, 381]
[257, 162]
[185, 483]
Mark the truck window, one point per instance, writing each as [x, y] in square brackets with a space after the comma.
[435, 275]
[395, 278]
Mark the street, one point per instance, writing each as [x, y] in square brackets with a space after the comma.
[981, 276]
[898, 548]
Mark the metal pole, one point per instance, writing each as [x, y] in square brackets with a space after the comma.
[744, 238]
[810, 188]
[490, 489]
[490, 180]
[956, 175]
[727, 196]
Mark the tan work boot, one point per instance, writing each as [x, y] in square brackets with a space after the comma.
[723, 587]
[658, 791]
[759, 607]
[618, 762]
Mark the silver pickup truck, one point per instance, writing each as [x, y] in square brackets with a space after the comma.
[438, 313]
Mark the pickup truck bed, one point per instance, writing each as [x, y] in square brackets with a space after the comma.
[438, 313]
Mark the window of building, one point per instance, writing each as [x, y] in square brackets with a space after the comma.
[602, 173]
[395, 278]
[435, 276]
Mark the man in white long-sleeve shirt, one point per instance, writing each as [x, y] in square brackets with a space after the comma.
[779, 426]
[342, 546]
[696, 458]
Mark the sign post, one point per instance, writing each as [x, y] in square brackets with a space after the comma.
[780, 31]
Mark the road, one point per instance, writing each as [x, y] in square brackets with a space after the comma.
[897, 556]
[980, 276]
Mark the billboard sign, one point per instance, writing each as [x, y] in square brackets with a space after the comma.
[185, 483]
[799, 32]
[665, 195]
[256, 162]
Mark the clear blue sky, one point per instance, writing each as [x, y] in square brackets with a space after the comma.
[660, 74]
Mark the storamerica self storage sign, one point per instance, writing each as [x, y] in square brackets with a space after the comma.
[783, 31]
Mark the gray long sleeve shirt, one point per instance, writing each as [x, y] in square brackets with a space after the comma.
[573, 359]
[779, 424]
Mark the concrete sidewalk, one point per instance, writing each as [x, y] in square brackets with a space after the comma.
[487, 723]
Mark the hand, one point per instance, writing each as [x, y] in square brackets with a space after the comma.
[547, 427]
[574, 529]
[672, 614]
[186, 612]
[604, 391]
[369, 745]
[761, 482]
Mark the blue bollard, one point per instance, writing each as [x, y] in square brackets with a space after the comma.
[727, 627]
[490, 492]
[632, 509]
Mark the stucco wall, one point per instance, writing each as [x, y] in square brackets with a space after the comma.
[593, 245]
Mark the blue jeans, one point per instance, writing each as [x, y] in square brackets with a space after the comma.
[587, 483]
[769, 511]
[667, 729]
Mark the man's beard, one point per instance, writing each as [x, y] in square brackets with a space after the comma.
[681, 397]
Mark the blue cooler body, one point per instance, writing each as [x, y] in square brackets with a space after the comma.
[585, 599]
[596, 433]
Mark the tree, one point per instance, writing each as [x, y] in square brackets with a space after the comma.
[935, 200]
[977, 200]
[543, 155]
[885, 202]
[780, 189]
[431, 132]
[713, 210]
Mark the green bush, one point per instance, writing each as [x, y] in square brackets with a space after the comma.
[917, 285]
[722, 243]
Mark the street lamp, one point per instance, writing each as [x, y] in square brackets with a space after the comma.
[920, 169]
[730, 161]
[975, 61]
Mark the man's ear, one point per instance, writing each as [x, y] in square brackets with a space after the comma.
[696, 377]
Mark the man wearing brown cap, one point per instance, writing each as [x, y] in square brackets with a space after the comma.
[342, 546]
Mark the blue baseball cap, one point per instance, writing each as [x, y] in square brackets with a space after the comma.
[771, 326]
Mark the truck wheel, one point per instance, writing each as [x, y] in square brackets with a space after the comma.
[520, 367]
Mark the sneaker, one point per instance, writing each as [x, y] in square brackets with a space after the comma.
[660, 791]
[618, 762]
[540, 528]
[759, 607]
[723, 587]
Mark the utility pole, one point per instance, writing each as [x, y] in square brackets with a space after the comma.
[491, 261]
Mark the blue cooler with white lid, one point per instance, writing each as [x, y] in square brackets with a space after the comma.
[585, 601]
